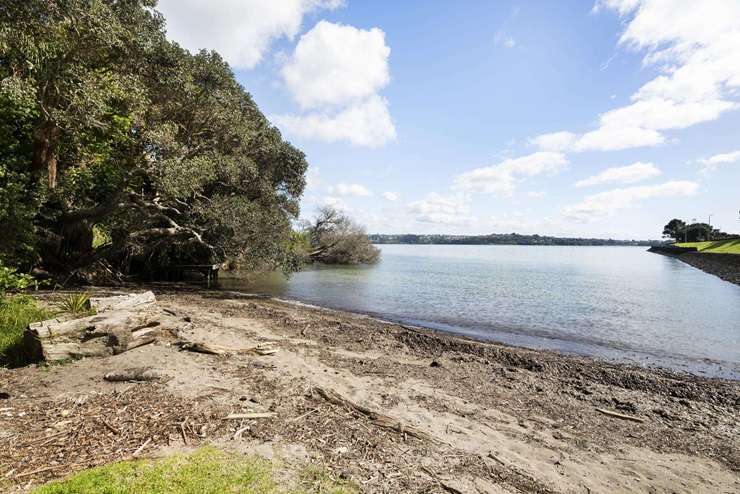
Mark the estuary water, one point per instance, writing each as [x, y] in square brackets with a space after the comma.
[619, 303]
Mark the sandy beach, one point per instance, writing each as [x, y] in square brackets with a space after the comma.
[392, 408]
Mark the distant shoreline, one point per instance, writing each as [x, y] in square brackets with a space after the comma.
[503, 239]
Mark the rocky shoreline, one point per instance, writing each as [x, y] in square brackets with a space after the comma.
[725, 266]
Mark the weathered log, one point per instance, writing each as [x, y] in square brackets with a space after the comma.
[106, 333]
[136, 374]
[118, 302]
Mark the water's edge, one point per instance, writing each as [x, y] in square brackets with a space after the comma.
[589, 350]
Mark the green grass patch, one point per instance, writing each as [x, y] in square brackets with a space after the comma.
[206, 471]
[16, 312]
[730, 246]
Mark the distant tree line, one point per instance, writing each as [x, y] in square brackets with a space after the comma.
[500, 239]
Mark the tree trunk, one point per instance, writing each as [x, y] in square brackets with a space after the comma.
[45, 152]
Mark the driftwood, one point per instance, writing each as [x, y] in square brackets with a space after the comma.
[375, 417]
[123, 323]
[210, 348]
[620, 415]
[136, 374]
[118, 302]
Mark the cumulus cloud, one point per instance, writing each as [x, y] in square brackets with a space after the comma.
[335, 74]
[356, 190]
[368, 123]
[607, 203]
[337, 64]
[391, 196]
[713, 162]
[240, 30]
[441, 209]
[622, 174]
[502, 178]
[695, 46]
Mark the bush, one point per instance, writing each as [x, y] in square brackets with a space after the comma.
[11, 281]
[16, 313]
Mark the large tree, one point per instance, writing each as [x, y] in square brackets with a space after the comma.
[104, 122]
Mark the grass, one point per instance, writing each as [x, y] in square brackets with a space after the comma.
[206, 471]
[77, 304]
[729, 246]
[16, 312]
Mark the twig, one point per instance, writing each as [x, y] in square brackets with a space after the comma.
[136, 453]
[620, 415]
[261, 415]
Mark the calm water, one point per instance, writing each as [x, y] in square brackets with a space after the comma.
[613, 302]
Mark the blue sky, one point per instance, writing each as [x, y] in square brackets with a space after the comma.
[578, 118]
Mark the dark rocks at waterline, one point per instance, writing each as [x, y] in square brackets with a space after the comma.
[725, 266]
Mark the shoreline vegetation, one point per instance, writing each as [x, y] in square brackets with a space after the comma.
[376, 406]
[720, 258]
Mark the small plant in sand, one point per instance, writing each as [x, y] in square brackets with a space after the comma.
[77, 304]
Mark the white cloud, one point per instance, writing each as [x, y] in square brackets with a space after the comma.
[713, 162]
[555, 141]
[622, 174]
[337, 64]
[356, 190]
[608, 203]
[334, 202]
[336, 72]
[695, 45]
[503, 39]
[365, 124]
[615, 138]
[391, 196]
[313, 178]
[502, 178]
[443, 210]
[536, 194]
[240, 30]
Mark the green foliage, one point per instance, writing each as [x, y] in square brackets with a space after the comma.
[76, 303]
[112, 136]
[205, 471]
[16, 312]
[10, 280]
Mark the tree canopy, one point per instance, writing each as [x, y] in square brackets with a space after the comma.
[105, 124]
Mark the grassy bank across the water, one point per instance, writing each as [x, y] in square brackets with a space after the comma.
[729, 246]
[206, 471]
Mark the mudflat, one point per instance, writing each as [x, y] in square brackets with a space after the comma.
[390, 407]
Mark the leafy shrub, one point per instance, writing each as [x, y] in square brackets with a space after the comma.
[11, 281]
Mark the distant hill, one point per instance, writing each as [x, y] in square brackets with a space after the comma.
[501, 239]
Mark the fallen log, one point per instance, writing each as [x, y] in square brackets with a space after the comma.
[119, 302]
[136, 374]
[125, 323]
[375, 417]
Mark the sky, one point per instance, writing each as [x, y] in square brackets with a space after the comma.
[580, 118]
